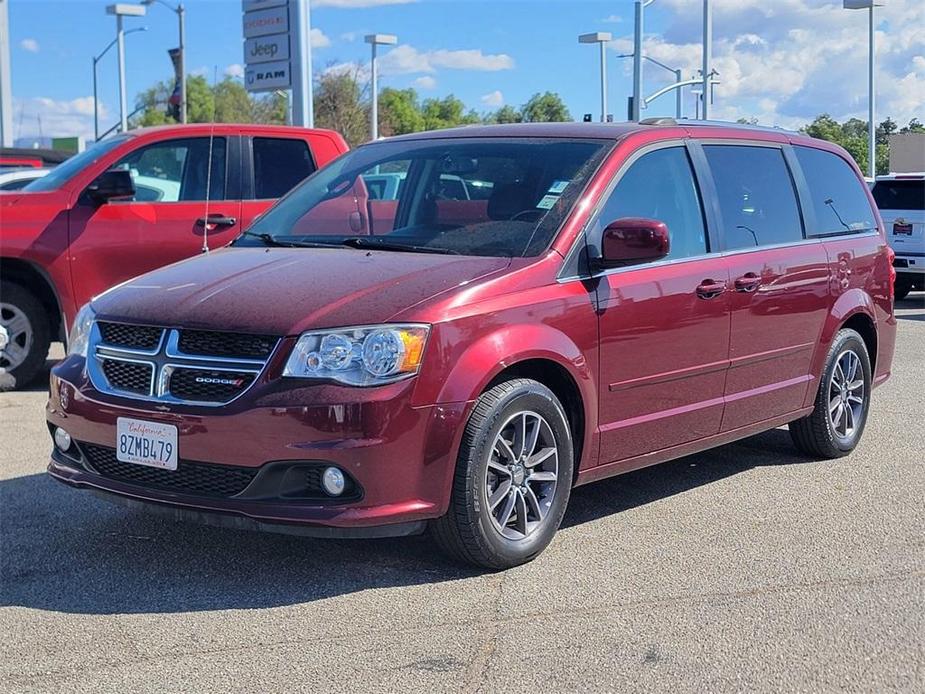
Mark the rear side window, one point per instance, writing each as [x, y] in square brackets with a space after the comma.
[279, 165]
[756, 196]
[838, 198]
[177, 170]
[900, 195]
[660, 185]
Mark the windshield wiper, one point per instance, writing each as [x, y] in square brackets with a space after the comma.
[374, 243]
[269, 240]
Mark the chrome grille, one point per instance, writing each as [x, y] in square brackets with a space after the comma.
[179, 368]
[203, 385]
[222, 344]
[128, 376]
[131, 336]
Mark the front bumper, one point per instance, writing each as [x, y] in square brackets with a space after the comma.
[402, 457]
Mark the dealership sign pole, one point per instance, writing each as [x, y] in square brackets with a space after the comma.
[6, 99]
[277, 52]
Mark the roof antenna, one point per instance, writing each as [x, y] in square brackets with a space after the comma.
[205, 225]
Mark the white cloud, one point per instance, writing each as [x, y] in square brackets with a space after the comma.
[234, 70]
[30, 45]
[319, 39]
[425, 82]
[350, 4]
[54, 118]
[407, 59]
[494, 99]
[350, 36]
[612, 19]
[787, 61]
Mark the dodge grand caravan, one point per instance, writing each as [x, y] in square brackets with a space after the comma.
[615, 296]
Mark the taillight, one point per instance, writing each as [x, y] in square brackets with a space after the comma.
[890, 258]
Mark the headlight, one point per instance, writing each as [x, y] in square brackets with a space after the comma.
[365, 356]
[79, 336]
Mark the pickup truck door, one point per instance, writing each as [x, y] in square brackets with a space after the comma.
[165, 221]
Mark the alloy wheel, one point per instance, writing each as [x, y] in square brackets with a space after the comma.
[16, 336]
[846, 394]
[522, 475]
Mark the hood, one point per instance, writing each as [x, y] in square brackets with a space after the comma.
[285, 291]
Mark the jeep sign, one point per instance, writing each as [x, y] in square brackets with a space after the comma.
[265, 49]
[266, 77]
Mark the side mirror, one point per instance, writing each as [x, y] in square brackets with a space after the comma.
[634, 239]
[114, 184]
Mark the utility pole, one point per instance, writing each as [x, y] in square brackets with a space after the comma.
[376, 40]
[600, 37]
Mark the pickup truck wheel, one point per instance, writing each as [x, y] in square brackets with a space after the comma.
[513, 478]
[24, 336]
[902, 287]
[836, 424]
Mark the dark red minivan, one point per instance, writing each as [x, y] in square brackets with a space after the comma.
[521, 309]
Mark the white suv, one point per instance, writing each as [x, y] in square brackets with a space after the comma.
[901, 199]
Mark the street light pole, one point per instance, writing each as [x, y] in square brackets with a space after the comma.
[96, 61]
[677, 79]
[707, 56]
[600, 37]
[637, 61]
[180, 11]
[121, 10]
[376, 40]
[869, 5]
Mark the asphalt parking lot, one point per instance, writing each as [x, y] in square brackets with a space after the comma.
[744, 568]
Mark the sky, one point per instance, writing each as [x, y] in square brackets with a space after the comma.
[780, 61]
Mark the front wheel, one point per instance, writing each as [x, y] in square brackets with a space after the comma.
[24, 336]
[513, 477]
[834, 427]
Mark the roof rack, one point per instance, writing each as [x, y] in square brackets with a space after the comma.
[746, 126]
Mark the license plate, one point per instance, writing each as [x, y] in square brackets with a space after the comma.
[902, 229]
[146, 443]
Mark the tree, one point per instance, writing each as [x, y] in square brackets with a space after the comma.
[399, 112]
[547, 107]
[340, 106]
[505, 114]
[232, 102]
[447, 112]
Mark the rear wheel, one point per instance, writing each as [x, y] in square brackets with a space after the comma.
[902, 287]
[513, 478]
[24, 336]
[836, 424]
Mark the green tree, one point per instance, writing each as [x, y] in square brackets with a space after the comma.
[447, 112]
[272, 109]
[340, 105]
[399, 112]
[232, 102]
[505, 114]
[547, 107]
[914, 127]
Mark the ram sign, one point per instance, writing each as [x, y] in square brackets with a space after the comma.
[266, 77]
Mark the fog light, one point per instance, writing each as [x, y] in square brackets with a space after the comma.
[333, 481]
[62, 440]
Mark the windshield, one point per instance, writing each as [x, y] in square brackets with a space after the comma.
[64, 171]
[900, 194]
[475, 196]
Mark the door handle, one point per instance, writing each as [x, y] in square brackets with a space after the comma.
[748, 282]
[216, 220]
[708, 289]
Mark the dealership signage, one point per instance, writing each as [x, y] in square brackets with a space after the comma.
[266, 45]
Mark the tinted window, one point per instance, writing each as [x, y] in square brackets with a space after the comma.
[279, 165]
[660, 185]
[177, 170]
[837, 194]
[756, 196]
[900, 195]
[63, 172]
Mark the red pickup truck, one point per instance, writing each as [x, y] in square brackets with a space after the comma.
[129, 204]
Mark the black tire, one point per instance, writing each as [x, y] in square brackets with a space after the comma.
[467, 532]
[37, 349]
[903, 287]
[815, 434]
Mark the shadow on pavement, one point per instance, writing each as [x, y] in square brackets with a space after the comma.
[65, 550]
